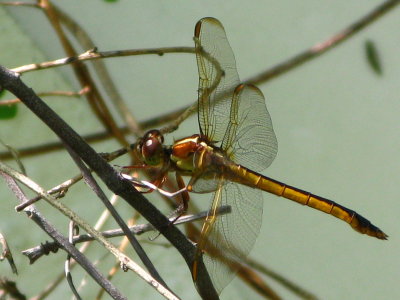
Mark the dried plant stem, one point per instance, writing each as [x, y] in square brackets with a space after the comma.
[94, 54]
[48, 94]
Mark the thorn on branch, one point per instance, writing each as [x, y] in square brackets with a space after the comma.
[44, 249]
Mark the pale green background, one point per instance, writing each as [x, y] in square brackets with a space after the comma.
[336, 122]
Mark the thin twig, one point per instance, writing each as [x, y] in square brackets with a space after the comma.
[9, 288]
[323, 47]
[36, 252]
[7, 254]
[15, 156]
[20, 3]
[116, 268]
[47, 94]
[296, 289]
[67, 266]
[94, 54]
[63, 187]
[219, 73]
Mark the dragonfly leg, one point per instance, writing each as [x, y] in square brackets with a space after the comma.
[151, 186]
[184, 199]
[140, 166]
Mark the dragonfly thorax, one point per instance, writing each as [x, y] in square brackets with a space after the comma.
[193, 155]
[183, 152]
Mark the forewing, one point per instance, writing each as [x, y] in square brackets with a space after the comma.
[232, 236]
[250, 138]
[218, 77]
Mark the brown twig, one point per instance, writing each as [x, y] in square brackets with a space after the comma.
[293, 287]
[323, 47]
[20, 3]
[47, 94]
[94, 54]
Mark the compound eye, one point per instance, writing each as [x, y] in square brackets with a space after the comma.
[151, 147]
[154, 134]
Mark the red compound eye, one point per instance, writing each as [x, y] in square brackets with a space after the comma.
[151, 147]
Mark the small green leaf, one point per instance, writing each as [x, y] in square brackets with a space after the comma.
[8, 111]
[372, 56]
[110, 0]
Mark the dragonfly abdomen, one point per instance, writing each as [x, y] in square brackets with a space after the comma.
[356, 221]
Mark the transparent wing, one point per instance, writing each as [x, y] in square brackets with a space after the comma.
[216, 84]
[231, 237]
[250, 138]
[206, 184]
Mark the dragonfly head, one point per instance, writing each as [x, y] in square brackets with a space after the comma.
[150, 148]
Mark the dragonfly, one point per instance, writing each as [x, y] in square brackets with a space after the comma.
[236, 142]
